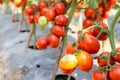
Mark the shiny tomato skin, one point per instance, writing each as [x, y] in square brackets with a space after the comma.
[59, 31]
[61, 20]
[53, 41]
[96, 31]
[89, 13]
[43, 11]
[96, 75]
[50, 14]
[115, 74]
[42, 43]
[117, 58]
[28, 11]
[41, 5]
[85, 61]
[60, 8]
[30, 19]
[103, 59]
[87, 23]
[90, 44]
[70, 49]
[37, 16]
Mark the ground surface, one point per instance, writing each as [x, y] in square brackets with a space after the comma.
[20, 63]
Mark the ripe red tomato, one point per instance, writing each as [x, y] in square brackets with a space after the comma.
[17, 3]
[96, 31]
[61, 20]
[103, 59]
[89, 13]
[85, 61]
[50, 14]
[105, 14]
[33, 6]
[28, 11]
[117, 58]
[43, 11]
[24, 2]
[60, 8]
[42, 43]
[90, 44]
[53, 41]
[111, 2]
[70, 49]
[42, 5]
[59, 31]
[96, 75]
[87, 23]
[36, 17]
[115, 74]
[30, 19]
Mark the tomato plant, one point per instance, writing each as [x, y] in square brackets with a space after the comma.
[60, 13]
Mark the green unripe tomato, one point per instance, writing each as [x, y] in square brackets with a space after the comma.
[42, 21]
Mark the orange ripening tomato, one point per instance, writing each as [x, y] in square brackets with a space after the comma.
[18, 3]
[68, 62]
[66, 71]
[85, 61]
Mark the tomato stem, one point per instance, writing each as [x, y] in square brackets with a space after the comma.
[73, 7]
[111, 30]
[69, 77]
[34, 33]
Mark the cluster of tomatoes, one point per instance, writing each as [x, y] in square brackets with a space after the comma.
[113, 71]
[42, 13]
